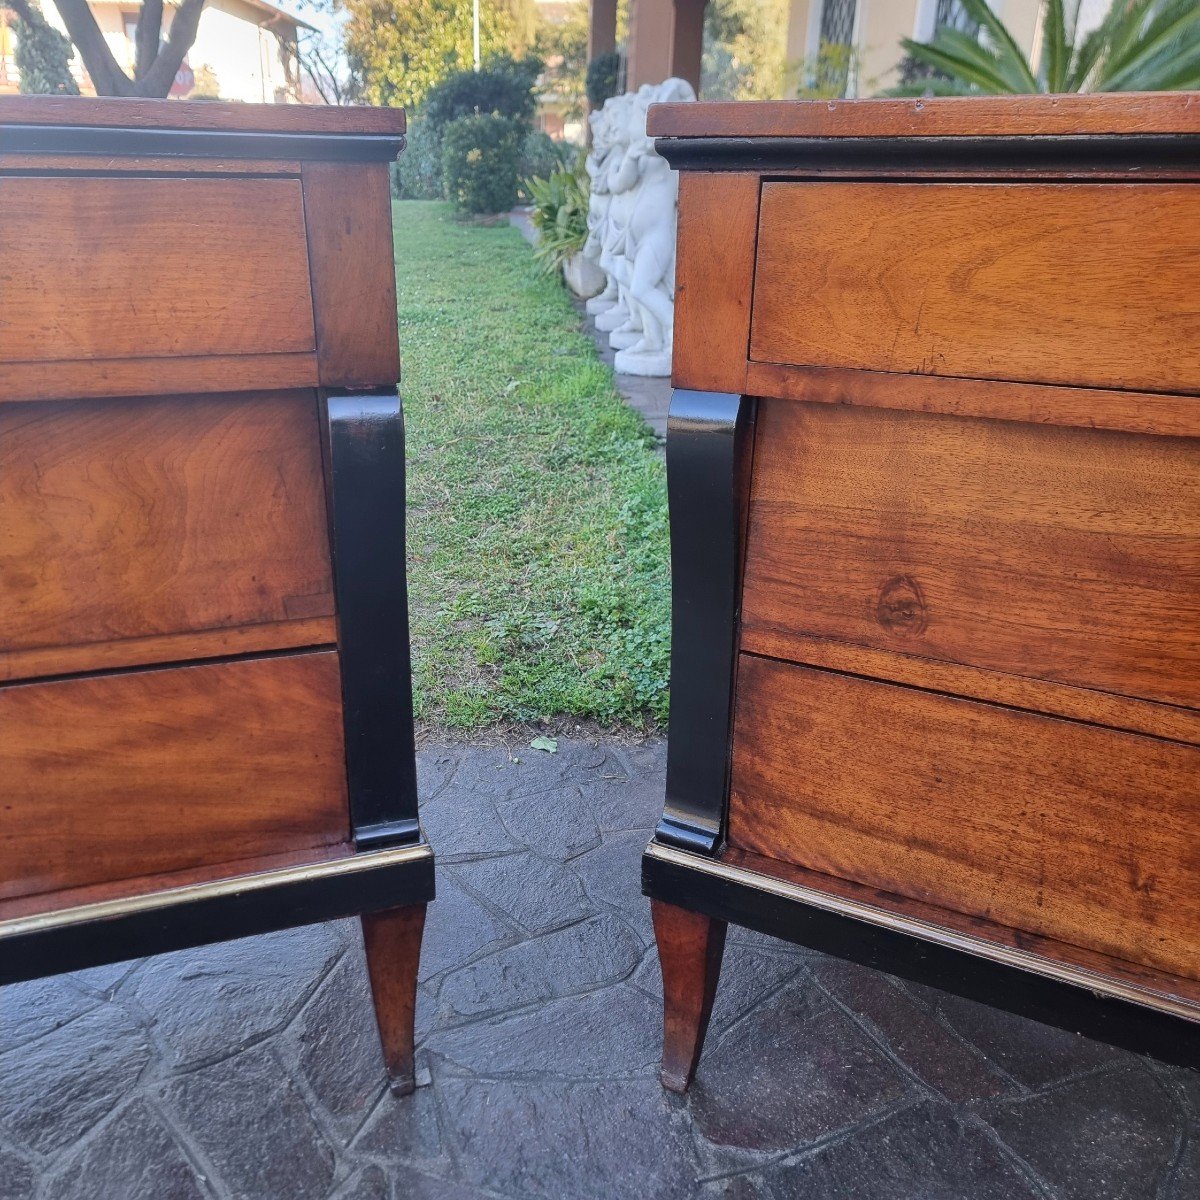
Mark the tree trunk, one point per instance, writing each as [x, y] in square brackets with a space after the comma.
[107, 78]
[147, 37]
[161, 73]
[156, 64]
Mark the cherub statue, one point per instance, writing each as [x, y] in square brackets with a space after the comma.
[649, 266]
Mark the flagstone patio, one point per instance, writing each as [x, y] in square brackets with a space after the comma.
[251, 1069]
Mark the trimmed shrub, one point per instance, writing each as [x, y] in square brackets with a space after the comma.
[43, 55]
[541, 157]
[503, 87]
[417, 175]
[603, 75]
[480, 157]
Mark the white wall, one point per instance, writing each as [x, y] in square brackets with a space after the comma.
[244, 57]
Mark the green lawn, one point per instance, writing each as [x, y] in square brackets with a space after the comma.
[538, 554]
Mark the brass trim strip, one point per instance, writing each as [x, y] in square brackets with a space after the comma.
[170, 897]
[927, 931]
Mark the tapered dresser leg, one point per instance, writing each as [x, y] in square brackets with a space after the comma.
[690, 946]
[393, 943]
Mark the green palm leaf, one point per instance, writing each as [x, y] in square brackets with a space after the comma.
[1056, 47]
[1085, 60]
[1007, 51]
[982, 74]
[1177, 26]
[1140, 45]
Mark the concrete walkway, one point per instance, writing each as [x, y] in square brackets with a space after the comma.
[651, 397]
[252, 1070]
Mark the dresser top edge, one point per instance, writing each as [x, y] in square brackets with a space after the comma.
[1114, 113]
[215, 116]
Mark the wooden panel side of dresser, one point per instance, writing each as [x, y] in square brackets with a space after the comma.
[133, 773]
[714, 280]
[134, 520]
[1058, 554]
[962, 279]
[143, 267]
[348, 214]
[1065, 830]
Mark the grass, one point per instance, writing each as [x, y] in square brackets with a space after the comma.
[538, 551]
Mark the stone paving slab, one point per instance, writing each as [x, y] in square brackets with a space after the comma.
[650, 395]
[251, 1069]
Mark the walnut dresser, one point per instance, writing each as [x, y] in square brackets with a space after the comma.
[934, 478]
[205, 698]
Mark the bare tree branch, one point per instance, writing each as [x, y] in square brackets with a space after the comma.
[107, 77]
[161, 73]
[157, 62]
[148, 36]
[324, 75]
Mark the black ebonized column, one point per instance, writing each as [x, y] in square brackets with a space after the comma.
[707, 439]
[366, 455]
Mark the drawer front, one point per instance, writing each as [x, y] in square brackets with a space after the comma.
[109, 777]
[133, 519]
[1065, 830]
[143, 268]
[1069, 555]
[1088, 284]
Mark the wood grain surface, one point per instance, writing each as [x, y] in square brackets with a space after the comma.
[89, 657]
[143, 518]
[1156, 986]
[1169, 721]
[90, 379]
[145, 164]
[209, 114]
[1061, 554]
[1057, 828]
[149, 267]
[1086, 284]
[949, 116]
[19, 907]
[392, 940]
[348, 210]
[136, 773]
[714, 280]
[690, 948]
[1032, 403]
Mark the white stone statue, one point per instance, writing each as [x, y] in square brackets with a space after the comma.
[598, 205]
[632, 223]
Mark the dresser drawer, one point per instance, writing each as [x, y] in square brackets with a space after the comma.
[1068, 831]
[1086, 284]
[126, 520]
[113, 776]
[143, 268]
[1052, 553]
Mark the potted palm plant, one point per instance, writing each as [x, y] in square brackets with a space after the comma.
[560, 209]
[1139, 46]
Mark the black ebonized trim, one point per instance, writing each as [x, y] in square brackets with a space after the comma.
[214, 918]
[1126, 155]
[197, 143]
[367, 503]
[706, 438]
[1053, 1002]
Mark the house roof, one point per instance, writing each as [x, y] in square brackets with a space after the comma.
[264, 6]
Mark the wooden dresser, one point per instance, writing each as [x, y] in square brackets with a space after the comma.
[935, 515]
[205, 698]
